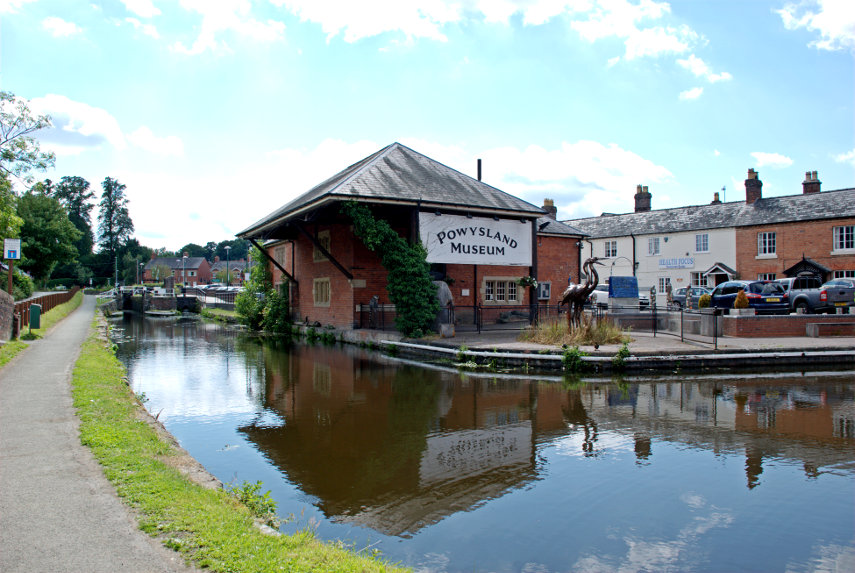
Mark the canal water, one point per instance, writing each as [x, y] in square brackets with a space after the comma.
[443, 470]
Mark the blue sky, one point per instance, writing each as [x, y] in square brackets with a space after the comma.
[216, 112]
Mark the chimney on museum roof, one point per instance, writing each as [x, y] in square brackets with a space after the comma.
[716, 200]
[550, 208]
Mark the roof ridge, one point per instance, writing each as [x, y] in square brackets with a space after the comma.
[371, 160]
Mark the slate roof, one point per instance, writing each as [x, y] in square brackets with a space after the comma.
[175, 262]
[549, 226]
[398, 175]
[768, 210]
[239, 264]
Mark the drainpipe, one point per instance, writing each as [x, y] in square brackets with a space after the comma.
[634, 264]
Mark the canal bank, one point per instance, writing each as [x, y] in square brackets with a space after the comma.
[647, 352]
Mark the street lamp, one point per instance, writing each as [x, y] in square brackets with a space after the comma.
[228, 264]
[183, 271]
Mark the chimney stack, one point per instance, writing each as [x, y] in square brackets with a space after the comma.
[550, 208]
[716, 200]
[811, 184]
[642, 199]
[753, 187]
[479, 170]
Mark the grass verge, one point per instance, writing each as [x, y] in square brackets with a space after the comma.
[221, 315]
[208, 526]
[590, 333]
[11, 348]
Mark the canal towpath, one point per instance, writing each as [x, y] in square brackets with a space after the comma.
[57, 510]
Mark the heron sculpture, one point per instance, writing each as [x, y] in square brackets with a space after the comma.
[576, 294]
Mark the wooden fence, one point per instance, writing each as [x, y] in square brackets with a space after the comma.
[48, 301]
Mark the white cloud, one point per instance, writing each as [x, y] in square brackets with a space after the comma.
[145, 139]
[700, 69]
[77, 126]
[12, 6]
[656, 41]
[142, 8]
[834, 20]
[147, 29]
[716, 152]
[691, 94]
[223, 16]
[848, 157]
[771, 159]
[59, 28]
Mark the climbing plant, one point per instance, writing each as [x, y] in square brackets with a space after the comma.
[408, 283]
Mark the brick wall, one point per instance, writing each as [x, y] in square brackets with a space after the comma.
[776, 326]
[812, 239]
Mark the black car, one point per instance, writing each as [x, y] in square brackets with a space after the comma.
[765, 297]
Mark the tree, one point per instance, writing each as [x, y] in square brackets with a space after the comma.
[193, 250]
[10, 222]
[74, 193]
[210, 250]
[19, 150]
[239, 249]
[47, 236]
[114, 221]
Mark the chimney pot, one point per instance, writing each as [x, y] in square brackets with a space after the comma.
[642, 199]
[753, 187]
[550, 208]
[715, 200]
[811, 184]
[638, 189]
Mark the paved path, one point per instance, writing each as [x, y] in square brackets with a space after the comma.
[57, 510]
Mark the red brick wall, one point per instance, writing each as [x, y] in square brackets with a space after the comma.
[557, 257]
[813, 239]
[775, 326]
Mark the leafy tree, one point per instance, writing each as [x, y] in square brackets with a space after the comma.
[47, 236]
[74, 193]
[19, 150]
[114, 221]
[193, 250]
[260, 305]
[210, 250]
[10, 222]
[239, 250]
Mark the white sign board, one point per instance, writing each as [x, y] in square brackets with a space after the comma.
[677, 263]
[461, 240]
[12, 249]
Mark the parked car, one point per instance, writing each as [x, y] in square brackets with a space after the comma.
[765, 297]
[804, 292]
[644, 298]
[678, 297]
[837, 293]
[600, 296]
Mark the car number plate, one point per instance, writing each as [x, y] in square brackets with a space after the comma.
[840, 303]
[773, 300]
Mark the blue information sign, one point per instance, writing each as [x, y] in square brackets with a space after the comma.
[623, 287]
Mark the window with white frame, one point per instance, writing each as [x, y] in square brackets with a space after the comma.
[844, 238]
[698, 280]
[501, 291]
[663, 284]
[702, 243]
[766, 243]
[766, 276]
[321, 292]
[653, 246]
[844, 274]
[611, 249]
[324, 240]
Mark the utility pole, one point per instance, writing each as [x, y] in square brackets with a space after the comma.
[116, 271]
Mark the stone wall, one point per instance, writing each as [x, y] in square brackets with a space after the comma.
[7, 311]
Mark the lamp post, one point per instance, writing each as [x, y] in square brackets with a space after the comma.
[228, 264]
[142, 272]
[183, 271]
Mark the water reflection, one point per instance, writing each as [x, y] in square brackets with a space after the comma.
[479, 472]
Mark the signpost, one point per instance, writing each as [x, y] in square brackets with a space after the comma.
[11, 251]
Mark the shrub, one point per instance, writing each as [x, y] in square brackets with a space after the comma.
[704, 301]
[573, 359]
[741, 300]
[619, 359]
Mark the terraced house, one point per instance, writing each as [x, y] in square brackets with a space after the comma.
[704, 245]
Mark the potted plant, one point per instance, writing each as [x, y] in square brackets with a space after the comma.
[528, 281]
[740, 304]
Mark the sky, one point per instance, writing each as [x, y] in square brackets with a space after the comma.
[214, 113]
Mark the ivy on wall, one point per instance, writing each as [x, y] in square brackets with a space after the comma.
[409, 285]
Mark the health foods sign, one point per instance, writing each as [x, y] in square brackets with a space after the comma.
[460, 240]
